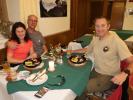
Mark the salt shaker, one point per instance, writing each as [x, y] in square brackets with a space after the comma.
[60, 60]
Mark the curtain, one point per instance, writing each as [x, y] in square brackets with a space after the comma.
[3, 10]
[27, 7]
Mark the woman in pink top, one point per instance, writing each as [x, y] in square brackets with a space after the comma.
[24, 48]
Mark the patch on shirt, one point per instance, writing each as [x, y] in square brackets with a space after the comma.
[106, 48]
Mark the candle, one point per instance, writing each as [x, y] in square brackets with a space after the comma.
[51, 66]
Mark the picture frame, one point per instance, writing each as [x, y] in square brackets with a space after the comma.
[130, 0]
[53, 8]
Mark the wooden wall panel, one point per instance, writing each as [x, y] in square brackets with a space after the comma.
[117, 15]
[81, 18]
[64, 38]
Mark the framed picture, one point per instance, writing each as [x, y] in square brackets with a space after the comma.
[53, 8]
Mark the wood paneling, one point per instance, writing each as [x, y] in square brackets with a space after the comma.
[96, 9]
[64, 38]
[117, 15]
[2, 55]
[82, 17]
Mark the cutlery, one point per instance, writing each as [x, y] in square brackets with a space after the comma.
[38, 74]
[38, 77]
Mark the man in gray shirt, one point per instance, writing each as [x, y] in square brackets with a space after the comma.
[36, 36]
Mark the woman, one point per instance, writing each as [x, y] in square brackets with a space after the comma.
[24, 49]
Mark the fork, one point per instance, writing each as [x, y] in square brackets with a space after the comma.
[36, 75]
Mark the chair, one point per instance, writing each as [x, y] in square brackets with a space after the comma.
[119, 94]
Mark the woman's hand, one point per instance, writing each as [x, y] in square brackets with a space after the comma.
[120, 78]
[12, 44]
[33, 55]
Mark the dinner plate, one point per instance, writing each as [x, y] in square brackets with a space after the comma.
[77, 60]
[39, 81]
[32, 63]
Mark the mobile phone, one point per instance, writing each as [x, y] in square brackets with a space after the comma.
[41, 92]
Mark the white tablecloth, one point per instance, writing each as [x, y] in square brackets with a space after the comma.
[63, 94]
[2, 42]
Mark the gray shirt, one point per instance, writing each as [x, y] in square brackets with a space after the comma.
[38, 42]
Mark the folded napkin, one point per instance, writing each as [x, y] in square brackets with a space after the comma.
[74, 46]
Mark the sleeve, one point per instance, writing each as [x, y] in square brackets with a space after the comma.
[122, 48]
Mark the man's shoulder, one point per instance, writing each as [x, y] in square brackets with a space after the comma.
[114, 35]
[38, 32]
[35, 33]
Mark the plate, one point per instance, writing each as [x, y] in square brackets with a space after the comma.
[77, 60]
[39, 81]
[32, 63]
[35, 68]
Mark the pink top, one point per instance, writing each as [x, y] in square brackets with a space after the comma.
[22, 50]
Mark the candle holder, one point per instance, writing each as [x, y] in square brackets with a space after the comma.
[51, 66]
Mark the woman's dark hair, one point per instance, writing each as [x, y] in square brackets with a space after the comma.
[14, 35]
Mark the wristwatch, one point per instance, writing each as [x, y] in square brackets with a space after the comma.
[127, 71]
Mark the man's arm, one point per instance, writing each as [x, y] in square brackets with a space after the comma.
[130, 66]
[83, 50]
[120, 78]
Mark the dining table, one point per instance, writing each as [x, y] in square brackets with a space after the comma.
[76, 79]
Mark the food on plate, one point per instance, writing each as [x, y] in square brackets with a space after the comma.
[29, 63]
[32, 62]
[78, 59]
[74, 59]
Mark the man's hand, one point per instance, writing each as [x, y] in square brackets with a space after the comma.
[12, 44]
[120, 78]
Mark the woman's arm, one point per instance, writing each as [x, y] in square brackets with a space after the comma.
[45, 49]
[32, 53]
